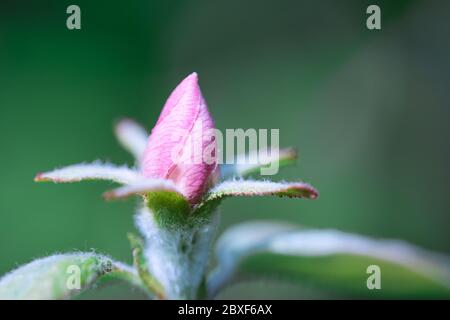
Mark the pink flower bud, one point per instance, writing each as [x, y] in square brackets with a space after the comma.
[178, 142]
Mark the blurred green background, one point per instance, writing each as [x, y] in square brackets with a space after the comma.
[368, 110]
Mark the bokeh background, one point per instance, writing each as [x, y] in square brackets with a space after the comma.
[368, 110]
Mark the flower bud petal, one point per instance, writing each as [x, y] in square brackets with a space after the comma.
[176, 145]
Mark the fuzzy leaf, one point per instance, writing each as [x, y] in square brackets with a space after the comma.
[330, 259]
[62, 276]
[132, 136]
[251, 188]
[141, 265]
[251, 164]
[177, 254]
[142, 188]
[92, 171]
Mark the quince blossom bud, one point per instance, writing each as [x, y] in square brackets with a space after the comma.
[181, 146]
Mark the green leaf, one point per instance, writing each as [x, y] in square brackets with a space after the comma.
[162, 197]
[330, 259]
[62, 276]
[171, 209]
[142, 188]
[90, 171]
[253, 188]
[252, 164]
